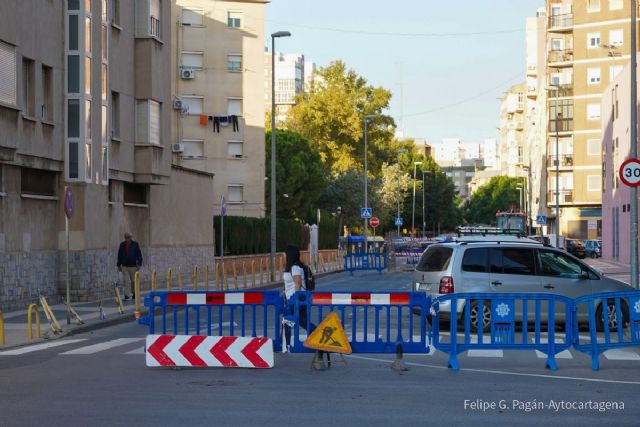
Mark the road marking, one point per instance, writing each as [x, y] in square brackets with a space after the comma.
[37, 347]
[494, 372]
[619, 354]
[139, 350]
[91, 349]
[485, 353]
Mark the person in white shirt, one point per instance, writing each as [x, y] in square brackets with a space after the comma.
[294, 281]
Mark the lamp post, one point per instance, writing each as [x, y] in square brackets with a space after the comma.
[339, 212]
[424, 219]
[272, 257]
[366, 220]
[413, 215]
[400, 151]
[558, 116]
[633, 149]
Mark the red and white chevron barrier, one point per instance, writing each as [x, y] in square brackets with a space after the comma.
[214, 298]
[362, 298]
[229, 352]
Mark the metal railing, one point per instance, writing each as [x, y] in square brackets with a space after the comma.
[565, 55]
[565, 196]
[564, 125]
[559, 91]
[565, 160]
[563, 21]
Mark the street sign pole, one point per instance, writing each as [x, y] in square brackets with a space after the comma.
[68, 212]
[633, 152]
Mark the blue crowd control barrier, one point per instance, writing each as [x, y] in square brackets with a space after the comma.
[374, 322]
[506, 327]
[365, 261]
[232, 313]
[610, 313]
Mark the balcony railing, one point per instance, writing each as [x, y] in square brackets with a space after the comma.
[154, 27]
[561, 21]
[564, 125]
[559, 91]
[565, 160]
[561, 56]
[564, 196]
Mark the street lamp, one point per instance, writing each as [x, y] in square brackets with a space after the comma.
[413, 216]
[272, 257]
[558, 116]
[400, 151]
[366, 220]
[424, 219]
[339, 213]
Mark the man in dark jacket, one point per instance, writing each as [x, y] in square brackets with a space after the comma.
[129, 261]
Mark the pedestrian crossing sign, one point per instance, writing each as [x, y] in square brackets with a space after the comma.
[398, 221]
[329, 336]
[366, 212]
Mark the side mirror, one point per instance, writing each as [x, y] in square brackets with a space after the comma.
[584, 275]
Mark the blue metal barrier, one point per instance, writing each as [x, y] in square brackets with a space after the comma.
[374, 322]
[503, 313]
[258, 313]
[365, 261]
[603, 312]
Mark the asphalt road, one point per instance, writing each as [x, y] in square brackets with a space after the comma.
[100, 379]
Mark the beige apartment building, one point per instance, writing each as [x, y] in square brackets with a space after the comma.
[588, 45]
[511, 130]
[86, 102]
[217, 88]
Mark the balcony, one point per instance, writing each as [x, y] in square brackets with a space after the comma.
[559, 91]
[563, 125]
[560, 23]
[564, 197]
[561, 57]
[566, 160]
[151, 163]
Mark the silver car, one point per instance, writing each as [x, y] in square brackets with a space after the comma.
[523, 266]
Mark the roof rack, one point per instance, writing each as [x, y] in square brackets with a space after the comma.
[488, 231]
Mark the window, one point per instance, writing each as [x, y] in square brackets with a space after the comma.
[135, 193]
[87, 34]
[234, 62]
[73, 118]
[614, 70]
[37, 182]
[103, 82]
[616, 37]
[192, 17]
[593, 75]
[104, 9]
[154, 122]
[234, 19]
[73, 32]
[435, 259]
[594, 183]
[615, 4]
[46, 109]
[103, 125]
[115, 115]
[193, 148]
[593, 111]
[234, 149]
[512, 261]
[234, 106]
[557, 44]
[87, 119]
[593, 5]
[559, 265]
[115, 12]
[148, 122]
[73, 160]
[155, 15]
[235, 193]
[475, 260]
[593, 40]
[593, 147]
[73, 74]
[194, 104]
[28, 87]
[87, 161]
[104, 172]
[73, 4]
[87, 6]
[192, 60]
[87, 75]
[105, 44]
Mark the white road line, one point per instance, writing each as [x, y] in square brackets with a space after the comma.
[38, 347]
[620, 354]
[136, 351]
[90, 349]
[485, 353]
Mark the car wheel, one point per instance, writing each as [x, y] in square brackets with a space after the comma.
[610, 316]
[475, 318]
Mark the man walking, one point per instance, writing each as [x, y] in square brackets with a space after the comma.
[129, 261]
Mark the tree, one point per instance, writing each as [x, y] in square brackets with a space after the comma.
[299, 175]
[331, 116]
[500, 193]
[393, 188]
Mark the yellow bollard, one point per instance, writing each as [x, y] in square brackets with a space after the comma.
[217, 276]
[1, 329]
[154, 280]
[225, 279]
[235, 276]
[180, 279]
[281, 269]
[206, 277]
[253, 273]
[136, 287]
[169, 280]
[260, 271]
[244, 275]
[31, 308]
[195, 278]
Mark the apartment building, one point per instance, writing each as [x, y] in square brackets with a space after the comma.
[289, 81]
[217, 88]
[511, 130]
[588, 46]
[85, 103]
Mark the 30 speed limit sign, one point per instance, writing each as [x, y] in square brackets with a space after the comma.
[630, 172]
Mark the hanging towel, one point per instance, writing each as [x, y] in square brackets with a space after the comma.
[203, 120]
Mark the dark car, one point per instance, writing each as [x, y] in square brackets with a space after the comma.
[593, 248]
[575, 248]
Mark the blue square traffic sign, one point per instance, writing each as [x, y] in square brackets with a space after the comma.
[399, 221]
[366, 213]
[541, 219]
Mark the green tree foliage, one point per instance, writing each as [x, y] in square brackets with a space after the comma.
[393, 188]
[331, 116]
[500, 193]
[299, 175]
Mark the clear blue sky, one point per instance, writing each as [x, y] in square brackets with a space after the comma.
[439, 63]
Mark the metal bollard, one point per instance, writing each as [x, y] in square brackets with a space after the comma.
[30, 309]
[261, 269]
[195, 277]
[206, 277]
[235, 276]
[136, 287]
[253, 273]
[1, 328]
[169, 280]
[244, 275]
[154, 280]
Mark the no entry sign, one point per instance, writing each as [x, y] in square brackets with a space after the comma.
[630, 172]
[374, 221]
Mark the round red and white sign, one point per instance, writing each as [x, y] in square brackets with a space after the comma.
[374, 221]
[630, 172]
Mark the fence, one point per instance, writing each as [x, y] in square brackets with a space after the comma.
[390, 313]
[499, 314]
[365, 261]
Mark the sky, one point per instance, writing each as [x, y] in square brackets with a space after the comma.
[446, 62]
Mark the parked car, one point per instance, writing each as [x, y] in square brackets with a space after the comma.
[592, 248]
[575, 248]
[510, 267]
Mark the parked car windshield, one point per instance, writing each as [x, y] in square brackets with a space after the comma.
[435, 258]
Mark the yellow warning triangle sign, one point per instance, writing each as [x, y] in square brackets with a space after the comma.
[329, 336]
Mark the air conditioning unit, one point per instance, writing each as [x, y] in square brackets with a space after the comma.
[177, 148]
[177, 104]
[187, 73]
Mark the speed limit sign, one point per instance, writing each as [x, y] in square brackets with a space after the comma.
[630, 172]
